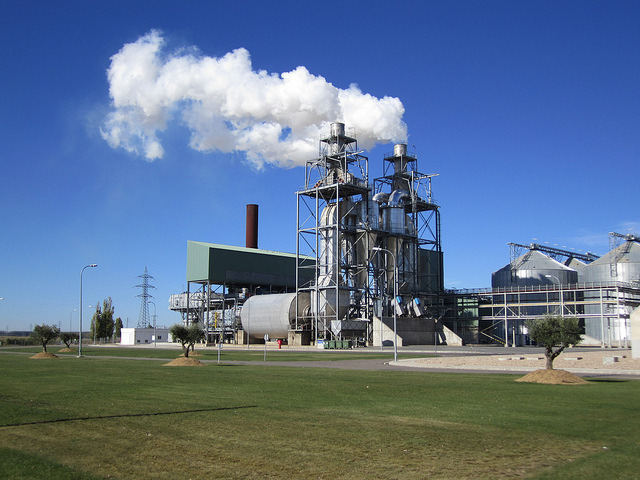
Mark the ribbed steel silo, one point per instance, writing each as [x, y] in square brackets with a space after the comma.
[534, 268]
[622, 264]
[607, 321]
[576, 264]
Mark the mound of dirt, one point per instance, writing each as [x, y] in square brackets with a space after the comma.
[44, 355]
[553, 377]
[185, 362]
[67, 350]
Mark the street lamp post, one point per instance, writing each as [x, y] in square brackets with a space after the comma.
[154, 321]
[80, 309]
[95, 325]
[395, 297]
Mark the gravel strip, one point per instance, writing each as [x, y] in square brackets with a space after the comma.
[572, 360]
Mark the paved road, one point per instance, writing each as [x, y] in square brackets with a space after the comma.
[405, 364]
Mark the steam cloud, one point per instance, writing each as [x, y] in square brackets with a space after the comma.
[227, 106]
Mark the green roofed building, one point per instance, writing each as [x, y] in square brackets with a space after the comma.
[240, 267]
[221, 277]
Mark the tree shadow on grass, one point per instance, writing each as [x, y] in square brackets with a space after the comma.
[125, 415]
[607, 380]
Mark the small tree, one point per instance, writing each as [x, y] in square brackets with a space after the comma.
[44, 334]
[68, 338]
[102, 323]
[186, 336]
[553, 331]
[118, 327]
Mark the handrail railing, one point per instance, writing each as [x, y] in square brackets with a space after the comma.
[546, 288]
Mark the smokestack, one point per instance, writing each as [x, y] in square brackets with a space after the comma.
[252, 226]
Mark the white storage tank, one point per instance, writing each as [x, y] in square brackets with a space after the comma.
[272, 314]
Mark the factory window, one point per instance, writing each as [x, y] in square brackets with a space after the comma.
[159, 337]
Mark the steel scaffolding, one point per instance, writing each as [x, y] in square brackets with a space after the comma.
[332, 240]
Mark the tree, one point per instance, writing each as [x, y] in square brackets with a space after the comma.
[186, 336]
[118, 327]
[68, 338]
[553, 331]
[102, 323]
[44, 334]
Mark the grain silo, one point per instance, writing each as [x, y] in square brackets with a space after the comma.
[622, 264]
[618, 275]
[534, 268]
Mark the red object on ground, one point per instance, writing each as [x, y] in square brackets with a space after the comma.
[279, 343]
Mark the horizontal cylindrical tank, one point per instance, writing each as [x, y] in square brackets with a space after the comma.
[272, 314]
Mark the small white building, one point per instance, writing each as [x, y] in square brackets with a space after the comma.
[141, 336]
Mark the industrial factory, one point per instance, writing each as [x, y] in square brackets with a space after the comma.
[368, 270]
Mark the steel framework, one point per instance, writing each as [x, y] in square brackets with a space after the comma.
[614, 242]
[603, 309]
[339, 235]
[143, 319]
[332, 239]
[400, 173]
[555, 253]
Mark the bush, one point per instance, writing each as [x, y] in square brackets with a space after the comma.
[24, 341]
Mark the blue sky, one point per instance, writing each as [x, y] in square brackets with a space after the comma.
[528, 111]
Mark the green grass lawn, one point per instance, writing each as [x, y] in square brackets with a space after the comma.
[255, 353]
[117, 418]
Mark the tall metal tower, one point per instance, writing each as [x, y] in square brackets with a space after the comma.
[333, 232]
[410, 220]
[143, 320]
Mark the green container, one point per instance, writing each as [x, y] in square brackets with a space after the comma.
[331, 343]
[325, 344]
[340, 344]
[346, 344]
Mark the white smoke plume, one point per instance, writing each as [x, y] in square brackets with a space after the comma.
[227, 106]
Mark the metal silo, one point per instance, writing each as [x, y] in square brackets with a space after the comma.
[621, 264]
[576, 264]
[607, 314]
[533, 268]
